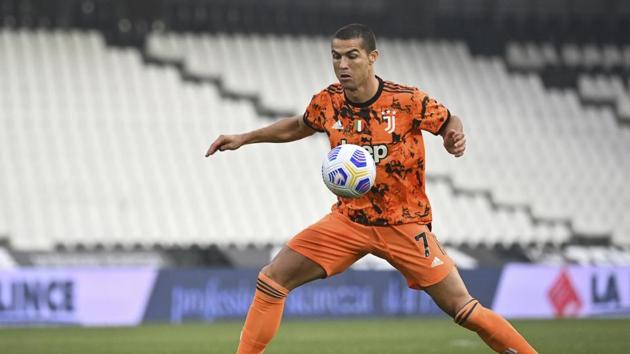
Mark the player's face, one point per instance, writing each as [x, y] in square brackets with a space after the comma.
[352, 63]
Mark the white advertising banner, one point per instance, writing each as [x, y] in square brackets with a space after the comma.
[535, 291]
[79, 296]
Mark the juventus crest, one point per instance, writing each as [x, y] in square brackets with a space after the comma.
[390, 117]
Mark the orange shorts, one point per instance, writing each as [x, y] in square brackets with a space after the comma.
[335, 243]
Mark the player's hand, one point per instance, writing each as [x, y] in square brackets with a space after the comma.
[225, 142]
[455, 143]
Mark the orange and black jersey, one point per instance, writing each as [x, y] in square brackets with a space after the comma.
[389, 126]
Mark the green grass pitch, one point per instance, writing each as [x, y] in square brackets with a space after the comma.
[373, 336]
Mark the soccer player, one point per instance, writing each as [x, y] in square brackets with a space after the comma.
[393, 220]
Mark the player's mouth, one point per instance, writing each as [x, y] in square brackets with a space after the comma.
[345, 77]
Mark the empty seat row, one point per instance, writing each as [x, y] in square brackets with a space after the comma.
[606, 89]
[537, 56]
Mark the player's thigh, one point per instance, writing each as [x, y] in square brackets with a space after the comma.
[416, 253]
[291, 269]
[334, 243]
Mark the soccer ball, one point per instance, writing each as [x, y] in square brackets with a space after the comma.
[349, 171]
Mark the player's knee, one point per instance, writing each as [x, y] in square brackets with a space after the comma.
[274, 274]
[464, 313]
[269, 281]
[457, 303]
[267, 271]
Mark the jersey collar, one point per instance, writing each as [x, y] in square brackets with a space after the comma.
[371, 100]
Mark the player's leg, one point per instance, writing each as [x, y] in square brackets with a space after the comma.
[451, 295]
[417, 254]
[287, 270]
[291, 269]
[323, 249]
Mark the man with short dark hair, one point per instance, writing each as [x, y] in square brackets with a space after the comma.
[391, 221]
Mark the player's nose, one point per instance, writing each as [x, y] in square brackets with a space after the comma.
[343, 63]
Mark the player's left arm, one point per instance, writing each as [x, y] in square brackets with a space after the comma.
[433, 117]
[453, 134]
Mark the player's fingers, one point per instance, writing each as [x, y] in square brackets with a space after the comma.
[211, 150]
[461, 142]
[215, 146]
[449, 135]
[459, 150]
[456, 149]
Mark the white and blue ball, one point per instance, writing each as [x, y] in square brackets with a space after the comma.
[349, 171]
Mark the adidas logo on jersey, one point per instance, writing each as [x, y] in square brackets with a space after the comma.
[337, 125]
[436, 262]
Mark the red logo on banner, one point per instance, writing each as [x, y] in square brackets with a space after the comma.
[564, 297]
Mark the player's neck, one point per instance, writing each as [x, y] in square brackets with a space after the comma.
[364, 92]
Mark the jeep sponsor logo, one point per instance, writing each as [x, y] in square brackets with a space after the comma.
[379, 152]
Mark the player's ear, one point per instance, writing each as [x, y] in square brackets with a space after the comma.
[373, 56]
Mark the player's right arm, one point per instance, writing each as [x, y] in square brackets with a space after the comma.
[282, 131]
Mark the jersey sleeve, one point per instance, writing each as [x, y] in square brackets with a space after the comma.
[429, 114]
[317, 111]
